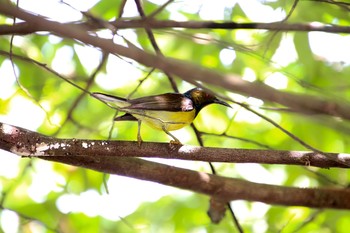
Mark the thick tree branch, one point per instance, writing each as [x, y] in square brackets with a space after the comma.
[28, 143]
[185, 70]
[228, 189]
[83, 153]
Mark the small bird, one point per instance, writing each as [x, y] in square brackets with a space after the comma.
[167, 112]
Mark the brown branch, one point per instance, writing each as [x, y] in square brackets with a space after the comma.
[152, 23]
[28, 27]
[228, 189]
[83, 153]
[187, 71]
[27, 143]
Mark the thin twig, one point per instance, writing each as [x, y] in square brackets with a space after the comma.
[160, 9]
[80, 97]
[155, 46]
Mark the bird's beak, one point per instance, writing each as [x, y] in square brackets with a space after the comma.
[217, 101]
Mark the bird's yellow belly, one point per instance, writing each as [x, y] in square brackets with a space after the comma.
[169, 120]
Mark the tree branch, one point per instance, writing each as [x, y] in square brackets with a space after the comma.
[101, 156]
[27, 143]
[187, 71]
[150, 23]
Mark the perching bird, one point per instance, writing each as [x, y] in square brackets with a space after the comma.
[167, 112]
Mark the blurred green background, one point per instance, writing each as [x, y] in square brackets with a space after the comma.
[40, 196]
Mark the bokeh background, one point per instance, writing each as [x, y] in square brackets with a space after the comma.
[41, 196]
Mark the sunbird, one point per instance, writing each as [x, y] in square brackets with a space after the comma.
[167, 112]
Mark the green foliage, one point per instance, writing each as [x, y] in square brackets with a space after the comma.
[64, 111]
[182, 214]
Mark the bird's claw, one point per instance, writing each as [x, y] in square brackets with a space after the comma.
[173, 144]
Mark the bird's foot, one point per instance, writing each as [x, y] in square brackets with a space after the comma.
[174, 144]
[139, 141]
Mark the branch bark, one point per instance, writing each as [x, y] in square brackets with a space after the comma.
[101, 156]
[185, 70]
[31, 144]
[27, 27]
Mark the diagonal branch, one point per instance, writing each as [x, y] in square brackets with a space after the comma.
[82, 153]
[187, 71]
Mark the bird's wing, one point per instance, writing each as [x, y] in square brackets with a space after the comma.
[111, 100]
[172, 102]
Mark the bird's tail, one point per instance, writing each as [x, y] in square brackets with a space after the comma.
[111, 100]
[125, 117]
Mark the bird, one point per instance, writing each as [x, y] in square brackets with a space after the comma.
[167, 112]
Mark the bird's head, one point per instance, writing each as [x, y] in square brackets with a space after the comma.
[201, 98]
